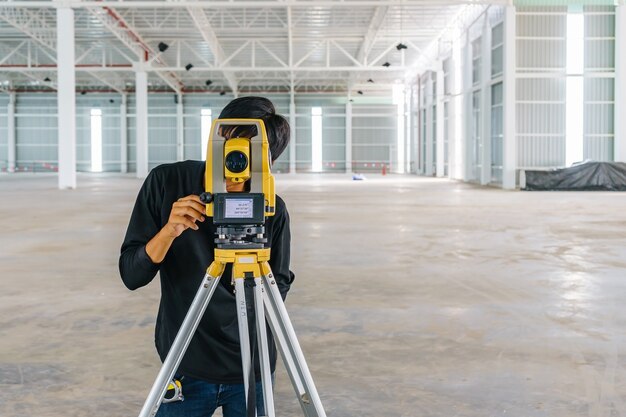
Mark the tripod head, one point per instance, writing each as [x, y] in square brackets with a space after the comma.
[239, 216]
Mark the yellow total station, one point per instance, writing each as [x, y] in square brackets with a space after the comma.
[245, 158]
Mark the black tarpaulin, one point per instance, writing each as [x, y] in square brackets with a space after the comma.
[587, 176]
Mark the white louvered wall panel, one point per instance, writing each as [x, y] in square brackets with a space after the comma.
[374, 136]
[36, 131]
[433, 121]
[4, 154]
[599, 92]
[374, 130]
[541, 95]
[422, 125]
[111, 145]
[447, 88]
[541, 49]
[414, 112]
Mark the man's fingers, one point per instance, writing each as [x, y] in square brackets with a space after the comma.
[186, 211]
[190, 212]
[190, 202]
[198, 208]
[191, 197]
[185, 221]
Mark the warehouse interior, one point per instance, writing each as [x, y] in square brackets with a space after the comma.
[428, 281]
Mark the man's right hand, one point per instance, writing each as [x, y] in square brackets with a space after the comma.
[184, 215]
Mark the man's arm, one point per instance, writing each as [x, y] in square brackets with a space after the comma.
[281, 250]
[146, 243]
[184, 215]
[136, 267]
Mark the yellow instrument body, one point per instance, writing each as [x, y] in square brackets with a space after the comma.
[258, 172]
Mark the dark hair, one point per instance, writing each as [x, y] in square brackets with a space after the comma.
[277, 127]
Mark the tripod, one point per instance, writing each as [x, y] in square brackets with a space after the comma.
[248, 263]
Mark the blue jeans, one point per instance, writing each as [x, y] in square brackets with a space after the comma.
[203, 398]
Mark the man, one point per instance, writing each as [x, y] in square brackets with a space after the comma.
[169, 233]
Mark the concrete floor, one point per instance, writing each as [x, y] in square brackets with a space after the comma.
[413, 297]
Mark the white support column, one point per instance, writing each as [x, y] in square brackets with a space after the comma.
[455, 115]
[415, 124]
[141, 121]
[466, 166]
[620, 83]
[399, 99]
[408, 91]
[429, 93]
[349, 136]
[440, 123]
[485, 102]
[180, 129]
[292, 125]
[509, 101]
[11, 143]
[421, 135]
[66, 97]
[124, 135]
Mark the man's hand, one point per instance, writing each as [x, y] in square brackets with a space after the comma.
[184, 215]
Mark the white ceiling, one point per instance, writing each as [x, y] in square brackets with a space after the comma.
[248, 46]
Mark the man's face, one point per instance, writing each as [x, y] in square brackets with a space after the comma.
[235, 187]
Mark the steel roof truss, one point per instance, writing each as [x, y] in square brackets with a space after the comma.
[272, 54]
[204, 26]
[13, 52]
[131, 39]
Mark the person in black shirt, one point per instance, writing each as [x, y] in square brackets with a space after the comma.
[169, 233]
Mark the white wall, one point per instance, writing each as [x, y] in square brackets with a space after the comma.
[374, 130]
[4, 101]
[540, 93]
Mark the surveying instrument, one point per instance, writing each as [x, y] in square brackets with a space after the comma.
[239, 219]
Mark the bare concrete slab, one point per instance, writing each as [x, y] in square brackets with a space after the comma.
[413, 297]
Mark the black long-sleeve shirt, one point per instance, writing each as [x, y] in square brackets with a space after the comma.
[214, 352]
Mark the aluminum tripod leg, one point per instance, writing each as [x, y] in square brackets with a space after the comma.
[244, 334]
[290, 348]
[244, 340]
[186, 332]
[264, 358]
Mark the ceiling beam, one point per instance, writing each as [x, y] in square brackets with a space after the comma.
[229, 4]
[119, 88]
[191, 36]
[292, 79]
[14, 51]
[372, 34]
[25, 21]
[279, 40]
[368, 41]
[462, 20]
[99, 68]
[39, 78]
[133, 41]
[204, 26]
[31, 24]
[36, 28]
